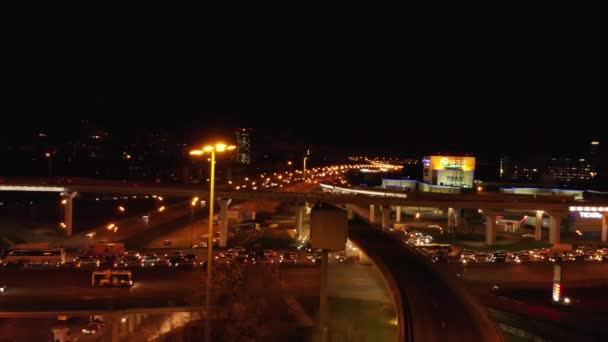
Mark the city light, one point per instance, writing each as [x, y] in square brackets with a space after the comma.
[121, 209]
[161, 209]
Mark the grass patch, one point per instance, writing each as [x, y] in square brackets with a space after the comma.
[353, 319]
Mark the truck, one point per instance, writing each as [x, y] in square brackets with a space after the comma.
[110, 277]
[103, 249]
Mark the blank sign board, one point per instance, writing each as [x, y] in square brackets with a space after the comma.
[328, 227]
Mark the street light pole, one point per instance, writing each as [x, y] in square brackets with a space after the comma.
[305, 168]
[210, 251]
[48, 155]
[219, 147]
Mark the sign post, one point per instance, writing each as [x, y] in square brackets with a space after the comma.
[328, 232]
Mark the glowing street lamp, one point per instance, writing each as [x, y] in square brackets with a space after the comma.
[48, 155]
[212, 149]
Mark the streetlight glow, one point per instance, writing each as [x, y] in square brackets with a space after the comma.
[219, 147]
[196, 152]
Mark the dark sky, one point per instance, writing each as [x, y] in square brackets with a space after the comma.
[416, 76]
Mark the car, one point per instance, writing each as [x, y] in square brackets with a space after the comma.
[87, 262]
[521, 257]
[269, 253]
[467, 256]
[130, 261]
[497, 257]
[131, 253]
[178, 254]
[289, 258]
[189, 260]
[528, 236]
[92, 328]
[107, 261]
[175, 261]
[150, 260]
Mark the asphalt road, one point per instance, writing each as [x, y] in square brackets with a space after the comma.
[533, 274]
[434, 309]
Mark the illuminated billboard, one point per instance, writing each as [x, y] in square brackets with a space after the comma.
[451, 163]
[454, 171]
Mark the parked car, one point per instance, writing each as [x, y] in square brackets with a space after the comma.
[497, 257]
[92, 328]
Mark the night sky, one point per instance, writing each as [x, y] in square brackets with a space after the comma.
[416, 77]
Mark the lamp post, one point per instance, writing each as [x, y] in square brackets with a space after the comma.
[192, 206]
[304, 175]
[218, 147]
[48, 156]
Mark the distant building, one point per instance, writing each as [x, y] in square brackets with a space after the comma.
[560, 172]
[453, 171]
[594, 157]
[243, 145]
[568, 171]
[528, 170]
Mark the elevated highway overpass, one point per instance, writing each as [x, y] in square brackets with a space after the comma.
[556, 207]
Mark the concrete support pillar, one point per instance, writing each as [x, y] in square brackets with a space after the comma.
[386, 216]
[363, 258]
[67, 200]
[323, 296]
[349, 211]
[138, 319]
[124, 326]
[115, 328]
[450, 219]
[604, 227]
[372, 213]
[300, 211]
[131, 323]
[490, 227]
[397, 214]
[223, 203]
[555, 221]
[456, 218]
[538, 230]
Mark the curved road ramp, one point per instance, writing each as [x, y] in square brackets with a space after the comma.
[431, 306]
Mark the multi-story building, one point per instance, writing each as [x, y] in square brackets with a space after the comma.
[243, 145]
[568, 171]
[527, 170]
[455, 171]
